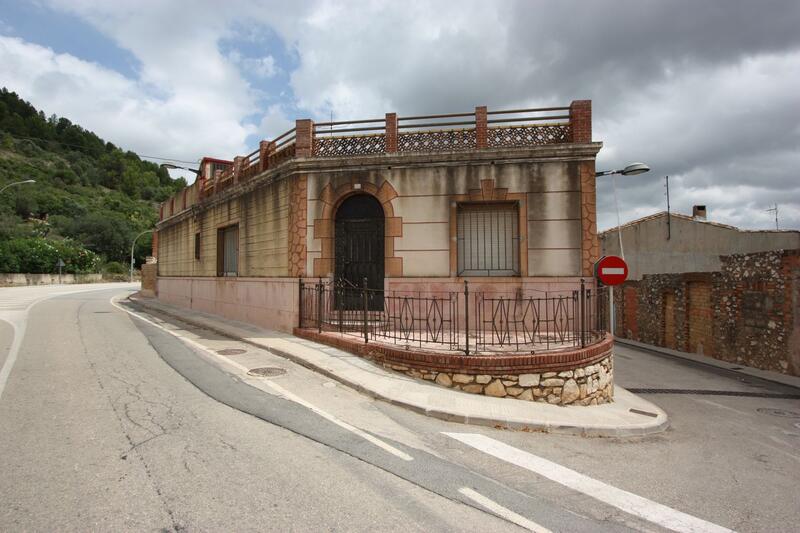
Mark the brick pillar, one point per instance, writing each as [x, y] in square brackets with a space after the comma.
[391, 132]
[264, 149]
[580, 118]
[304, 138]
[481, 127]
[238, 163]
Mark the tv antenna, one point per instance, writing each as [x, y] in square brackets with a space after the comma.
[776, 214]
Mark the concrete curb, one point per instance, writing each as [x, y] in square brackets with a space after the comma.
[736, 368]
[657, 424]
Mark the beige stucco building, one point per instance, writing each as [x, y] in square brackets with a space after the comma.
[506, 200]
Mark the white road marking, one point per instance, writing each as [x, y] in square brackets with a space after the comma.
[610, 271]
[15, 303]
[501, 511]
[277, 388]
[11, 358]
[621, 499]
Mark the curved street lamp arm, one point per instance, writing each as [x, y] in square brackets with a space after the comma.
[16, 183]
[133, 245]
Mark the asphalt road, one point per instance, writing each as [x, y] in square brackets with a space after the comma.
[113, 423]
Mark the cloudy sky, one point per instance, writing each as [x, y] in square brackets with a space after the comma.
[705, 92]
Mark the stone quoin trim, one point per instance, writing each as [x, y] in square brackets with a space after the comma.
[298, 214]
[324, 227]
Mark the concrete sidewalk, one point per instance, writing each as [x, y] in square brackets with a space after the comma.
[628, 415]
[767, 375]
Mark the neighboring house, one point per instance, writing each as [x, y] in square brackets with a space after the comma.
[708, 288]
[505, 200]
[665, 243]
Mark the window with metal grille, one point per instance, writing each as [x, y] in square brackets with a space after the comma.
[228, 251]
[488, 239]
[197, 245]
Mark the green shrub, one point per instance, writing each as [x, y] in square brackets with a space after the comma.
[114, 267]
[34, 255]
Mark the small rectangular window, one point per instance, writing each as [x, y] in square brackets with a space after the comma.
[228, 251]
[197, 245]
[488, 239]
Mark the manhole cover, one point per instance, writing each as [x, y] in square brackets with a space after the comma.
[778, 412]
[267, 371]
[231, 351]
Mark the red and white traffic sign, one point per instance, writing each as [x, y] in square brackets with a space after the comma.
[611, 270]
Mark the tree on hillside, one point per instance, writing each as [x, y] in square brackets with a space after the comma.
[87, 190]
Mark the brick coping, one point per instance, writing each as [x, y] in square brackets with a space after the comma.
[514, 364]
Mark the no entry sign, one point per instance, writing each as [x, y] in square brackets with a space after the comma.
[611, 270]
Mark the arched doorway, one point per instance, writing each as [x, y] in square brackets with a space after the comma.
[359, 243]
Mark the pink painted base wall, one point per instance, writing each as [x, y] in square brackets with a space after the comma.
[510, 285]
[269, 303]
[272, 303]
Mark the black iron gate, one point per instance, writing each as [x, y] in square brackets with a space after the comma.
[359, 252]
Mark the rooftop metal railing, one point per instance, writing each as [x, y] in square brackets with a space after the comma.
[475, 130]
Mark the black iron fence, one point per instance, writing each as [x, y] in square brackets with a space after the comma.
[477, 323]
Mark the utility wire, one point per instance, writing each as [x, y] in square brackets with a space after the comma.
[86, 148]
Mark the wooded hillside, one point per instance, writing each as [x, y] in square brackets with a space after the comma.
[89, 201]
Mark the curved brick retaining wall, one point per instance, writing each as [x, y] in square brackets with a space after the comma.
[583, 376]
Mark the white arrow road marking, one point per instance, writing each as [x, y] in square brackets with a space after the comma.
[277, 388]
[501, 511]
[610, 271]
[626, 501]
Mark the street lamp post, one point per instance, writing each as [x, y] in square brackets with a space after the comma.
[630, 170]
[133, 244]
[170, 166]
[17, 183]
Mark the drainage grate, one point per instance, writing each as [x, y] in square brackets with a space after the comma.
[645, 413]
[718, 393]
[778, 412]
[267, 371]
[231, 351]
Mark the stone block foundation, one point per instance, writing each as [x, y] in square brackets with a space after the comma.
[582, 376]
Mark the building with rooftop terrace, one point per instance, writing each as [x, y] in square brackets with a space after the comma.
[502, 199]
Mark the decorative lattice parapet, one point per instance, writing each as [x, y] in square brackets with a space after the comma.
[449, 132]
[284, 154]
[513, 136]
[349, 145]
[437, 141]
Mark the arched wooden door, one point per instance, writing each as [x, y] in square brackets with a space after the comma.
[359, 247]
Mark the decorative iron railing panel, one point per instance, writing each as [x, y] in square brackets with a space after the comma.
[436, 141]
[513, 136]
[476, 324]
[284, 154]
[350, 145]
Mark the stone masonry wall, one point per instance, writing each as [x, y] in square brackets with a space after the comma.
[753, 308]
[746, 313]
[588, 385]
[581, 376]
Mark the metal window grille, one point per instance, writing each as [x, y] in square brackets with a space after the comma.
[228, 251]
[488, 239]
[197, 245]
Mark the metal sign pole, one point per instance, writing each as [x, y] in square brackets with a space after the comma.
[611, 309]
